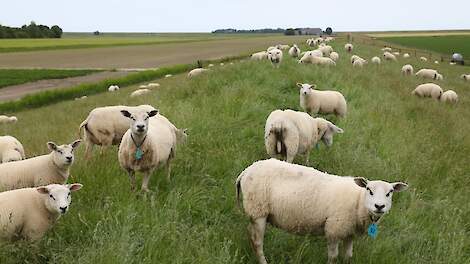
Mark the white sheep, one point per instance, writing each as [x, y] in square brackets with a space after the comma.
[406, 56]
[105, 126]
[303, 200]
[354, 57]
[271, 48]
[153, 85]
[41, 170]
[290, 133]
[262, 55]
[143, 86]
[439, 77]
[294, 51]
[423, 59]
[449, 96]
[326, 50]
[113, 88]
[465, 77]
[359, 62]
[320, 61]
[148, 144]
[387, 49]
[195, 72]
[407, 69]
[8, 119]
[334, 56]
[11, 149]
[168, 75]
[396, 53]
[428, 90]
[81, 98]
[282, 47]
[140, 92]
[376, 60]
[428, 74]
[221, 64]
[389, 56]
[210, 65]
[29, 213]
[308, 55]
[348, 47]
[326, 102]
[275, 57]
[436, 62]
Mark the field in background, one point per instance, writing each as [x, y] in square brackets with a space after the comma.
[417, 33]
[441, 44]
[389, 135]
[14, 76]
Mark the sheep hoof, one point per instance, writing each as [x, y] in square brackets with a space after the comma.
[145, 190]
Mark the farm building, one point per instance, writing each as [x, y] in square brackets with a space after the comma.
[308, 31]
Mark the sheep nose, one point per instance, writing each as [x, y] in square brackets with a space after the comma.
[63, 209]
[69, 158]
[379, 207]
[140, 127]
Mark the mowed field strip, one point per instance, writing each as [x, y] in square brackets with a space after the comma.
[141, 56]
[441, 44]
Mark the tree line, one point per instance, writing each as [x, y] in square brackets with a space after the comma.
[264, 30]
[31, 31]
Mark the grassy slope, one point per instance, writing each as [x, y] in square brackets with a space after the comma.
[14, 76]
[441, 44]
[388, 135]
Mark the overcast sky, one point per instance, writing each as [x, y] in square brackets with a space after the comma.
[207, 15]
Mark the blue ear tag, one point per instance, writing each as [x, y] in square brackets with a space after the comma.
[317, 146]
[138, 154]
[372, 230]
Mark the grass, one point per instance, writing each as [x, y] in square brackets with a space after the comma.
[389, 135]
[440, 44]
[19, 76]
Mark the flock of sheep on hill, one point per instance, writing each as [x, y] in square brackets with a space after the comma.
[295, 198]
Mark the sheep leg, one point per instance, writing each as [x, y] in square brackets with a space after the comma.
[131, 175]
[332, 251]
[256, 230]
[348, 247]
[168, 170]
[145, 181]
[88, 149]
[307, 157]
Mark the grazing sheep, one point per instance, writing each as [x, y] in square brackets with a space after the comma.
[326, 50]
[8, 119]
[389, 56]
[113, 88]
[423, 59]
[282, 47]
[465, 77]
[153, 85]
[376, 60]
[262, 55]
[148, 144]
[359, 62]
[308, 55]
[195, 72]
[210, 65]
[348, 47]
[406, 55]
[428, 74]
[275, 56]
[10, 149]
[290, 133]
[428, 90]
[140, 92]
[326, 102]
[81, 98]
[29, 213]
[407, 69]
[42, 170]
[303, 200]
[168, 75]
[294, 52]
[387, 49]
[396, 53]
[334, 56]
[439, 77]
[143, 86]
[354, 57]
[436, 62]
[105, 126]
[449, 96]
[271, 48]
[221, 64]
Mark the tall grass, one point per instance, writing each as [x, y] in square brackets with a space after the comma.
[389, 135]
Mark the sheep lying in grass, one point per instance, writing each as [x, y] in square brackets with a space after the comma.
[326, 50]
[376, 60]
[407, 69]
[282, 46]
[113, 88]
[387, 49]
[139, 92]
[308, 55]
[10, 149]
[325, 102]
[359, 62]
[105, 126]
[465, 77]
[262, 55]
[334, 56]
[148, 144]
[30, 212]
[294, 51]
[423, 59]
[428, 90]
[290, 133]
[8, 119]
[153, 85]
[449, 96]
[436, 62]
[42, 170]
[389, 56]
[195, 72]
[275, 57]
[348, 47]
[396, 53]
[406, 56]
[303, 200]
[168, 75]
[429, 74]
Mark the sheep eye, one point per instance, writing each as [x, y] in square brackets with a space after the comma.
[388, 194]
[371, 193]
[60, 151]
[68, 194]
[50, 195]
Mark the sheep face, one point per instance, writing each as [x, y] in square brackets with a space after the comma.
[328, 134]
[378, 196]
[274, 55]
[58, 196]
[139, 121]
[306, 89]
[62, 155]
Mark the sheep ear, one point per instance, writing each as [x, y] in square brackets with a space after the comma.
[299, 85]
[152, 113]
[42, 190]
[399, 186]
[313, 86]
[126, 113]
[75, 187]
[51, 146]
[76, 143]
[361, 182]
[335, 129]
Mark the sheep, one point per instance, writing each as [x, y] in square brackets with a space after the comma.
[465, 77]
[407, 69]
[289, 133]
[327, 102]
[334, 56]
[195, 72]
[310, 42]
[113, 88]
[387, 49]
[11, 149]
[148, 144]
[294, 51]
[168, 75]
[143, 86]
[396, 53]
[452, 63]
[271, 48]
[439, 77]
[275, 56]
[376, 60]
[210, 65]
[359, 62]
[221, 64]
[436, 62]
[389, 56]
[105, 126]
[8, 119]
[354, 57]
[320, 61]
[428, 90]
[423, 59]
[81, 98]
[308, 55]
[406, 56]
[29, 213]
[41, 170]
[348, 47]
[140, 92]
[150, 85]
[449, 96]
[282, 47]
[262, 55]
[428, 74]
[326, 50]
[304, 200]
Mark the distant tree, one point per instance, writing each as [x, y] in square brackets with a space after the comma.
[56, 31]
[328, 31]
[289, 32]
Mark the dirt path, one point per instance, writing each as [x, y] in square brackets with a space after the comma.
[18, 91]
